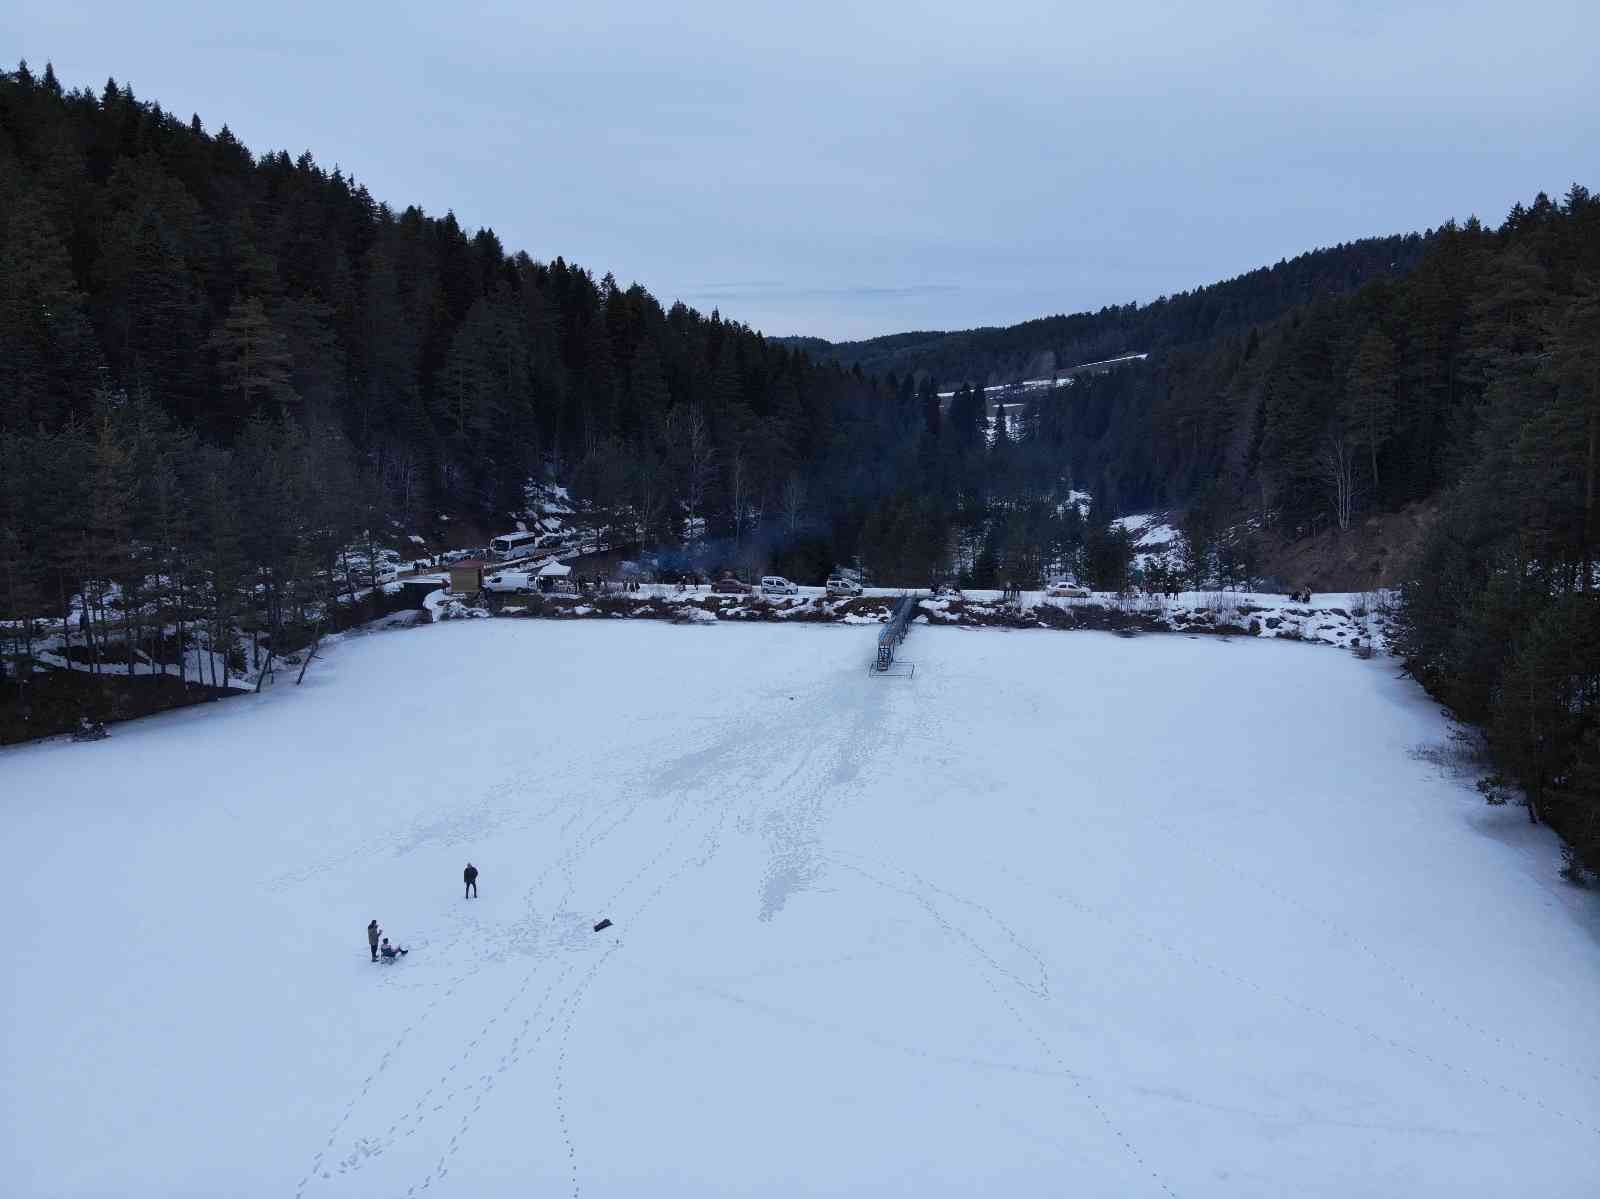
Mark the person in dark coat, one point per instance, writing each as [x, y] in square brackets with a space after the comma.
[373, 933]
[470, 877]
[390, 952]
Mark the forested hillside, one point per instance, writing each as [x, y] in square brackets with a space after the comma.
[246, 362]
[218, 370]
[1035, 349]
[1345, 405]
[1473, 381]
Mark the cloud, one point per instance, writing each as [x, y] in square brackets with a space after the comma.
[778, 289]
[860, 168]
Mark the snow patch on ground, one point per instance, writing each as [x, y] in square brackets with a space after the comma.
[1153, 538]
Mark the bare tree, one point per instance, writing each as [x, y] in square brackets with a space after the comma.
[738, 492]
[700, 466]
[402, 475]
[651, 492]
[1336, 463]
[792, 502]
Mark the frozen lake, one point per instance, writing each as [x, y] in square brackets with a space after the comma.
[1065, 914]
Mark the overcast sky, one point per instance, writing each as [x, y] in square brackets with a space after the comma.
[846, 170]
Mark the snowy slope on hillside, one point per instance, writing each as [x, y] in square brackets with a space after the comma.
[1062, 915]
[1153, 539]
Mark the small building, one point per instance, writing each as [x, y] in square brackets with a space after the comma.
[466, 576]
[417, 590]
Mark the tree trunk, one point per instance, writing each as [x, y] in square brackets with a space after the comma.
[311, 652]
[1588, 502]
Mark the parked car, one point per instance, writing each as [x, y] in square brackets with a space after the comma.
[841, 586]
[384, 572]
[1065, 590]
[509, 581]
[946, 591]
[728, 585]
[777, 585]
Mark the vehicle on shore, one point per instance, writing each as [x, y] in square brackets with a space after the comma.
[841, 587]
[513, 545]
[511, 581]
[777, 585]
[1065, 590]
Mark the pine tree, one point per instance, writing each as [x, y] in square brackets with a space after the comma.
[1371, 396]
[48, 356]
[253, 363]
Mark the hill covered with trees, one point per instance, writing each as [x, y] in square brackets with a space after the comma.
[1037, 348]
[220, 369]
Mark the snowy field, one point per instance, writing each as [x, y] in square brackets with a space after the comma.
[1065, 914]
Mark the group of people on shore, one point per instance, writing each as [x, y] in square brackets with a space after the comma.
[379, 944]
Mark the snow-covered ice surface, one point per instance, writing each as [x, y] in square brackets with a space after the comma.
[1063, 915]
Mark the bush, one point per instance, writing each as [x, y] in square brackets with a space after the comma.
[1495, 790]
[1572, 867]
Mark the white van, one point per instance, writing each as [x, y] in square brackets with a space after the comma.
[509, 581]
[777, 585]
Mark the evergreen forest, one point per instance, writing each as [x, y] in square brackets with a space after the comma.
[220, 369]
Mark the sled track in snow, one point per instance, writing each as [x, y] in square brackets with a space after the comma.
[1418, 991]
[531, 1034]
[420, 1112]
[687, 769]
[596, 832]
[1171, 950]
[988, 969]
[812, 782]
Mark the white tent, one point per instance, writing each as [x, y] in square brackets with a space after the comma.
[554, 570]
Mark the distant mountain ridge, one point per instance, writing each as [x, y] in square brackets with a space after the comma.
[993, 355]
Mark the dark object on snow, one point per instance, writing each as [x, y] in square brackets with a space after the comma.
[89, 730]
[470, 877]
[604, 924]
[373, 933]
[390, 952]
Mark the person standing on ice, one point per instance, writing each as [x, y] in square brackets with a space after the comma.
[470, 877]
[373, 933]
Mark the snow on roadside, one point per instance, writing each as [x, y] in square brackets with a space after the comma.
[1345, 620]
